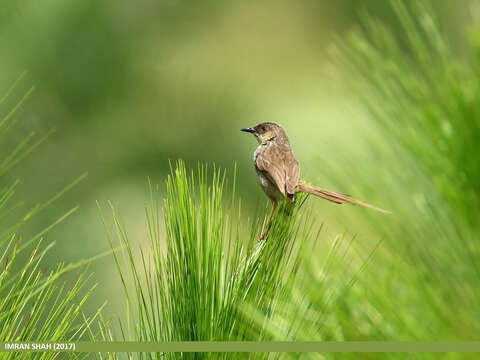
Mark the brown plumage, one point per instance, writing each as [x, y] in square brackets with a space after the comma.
[279, 173]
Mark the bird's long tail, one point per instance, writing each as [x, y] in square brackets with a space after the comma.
[335, 197]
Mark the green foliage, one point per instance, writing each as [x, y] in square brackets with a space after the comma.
[35, 304]
[422, 98]
[203, 275]
[413, 276]
[198, 275]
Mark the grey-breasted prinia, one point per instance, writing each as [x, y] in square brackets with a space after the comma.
[279, 173]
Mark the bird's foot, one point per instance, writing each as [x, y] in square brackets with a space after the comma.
[263, 236]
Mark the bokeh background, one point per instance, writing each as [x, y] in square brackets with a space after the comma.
[130, 85]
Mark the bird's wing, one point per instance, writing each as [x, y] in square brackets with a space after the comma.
[280, 166]
[292, 173]
[270, 162]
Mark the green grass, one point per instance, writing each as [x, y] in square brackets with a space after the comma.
[202, 275]
[420, 100]
[414, 278]
[204, 271]
[410, 276]
[424, 99]
[36, 304]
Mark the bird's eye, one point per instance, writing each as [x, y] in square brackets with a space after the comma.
[264, 128]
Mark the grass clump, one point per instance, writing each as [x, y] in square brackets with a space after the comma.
[420, 100]
[422, 95]
[198, 275]
[35, 304]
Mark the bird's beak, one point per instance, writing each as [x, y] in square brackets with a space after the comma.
[249, 130]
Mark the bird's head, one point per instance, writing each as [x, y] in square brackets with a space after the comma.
[266, 132]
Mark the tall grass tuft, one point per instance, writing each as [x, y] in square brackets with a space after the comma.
[203, 271]
[420, 98]
[423, 96]
[36, 304]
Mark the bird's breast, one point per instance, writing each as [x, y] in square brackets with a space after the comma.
[257, 152]
[270, 189]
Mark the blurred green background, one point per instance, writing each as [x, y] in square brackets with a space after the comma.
[129, 85]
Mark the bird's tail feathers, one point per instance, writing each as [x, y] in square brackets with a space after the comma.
[336, 197]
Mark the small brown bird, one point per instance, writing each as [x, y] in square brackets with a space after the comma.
[279, 173]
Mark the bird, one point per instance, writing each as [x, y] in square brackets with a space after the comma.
[278, 171]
